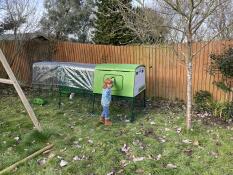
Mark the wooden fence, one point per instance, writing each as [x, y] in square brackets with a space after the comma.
[166, 72]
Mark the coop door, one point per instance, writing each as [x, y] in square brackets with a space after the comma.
[140, 82]
[117, 81]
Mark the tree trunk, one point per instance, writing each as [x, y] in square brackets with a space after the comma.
[189, 94]
[189, 82]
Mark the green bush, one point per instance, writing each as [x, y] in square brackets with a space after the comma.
[223, 110]
[228, 111]
[203, 101]
[223, 63]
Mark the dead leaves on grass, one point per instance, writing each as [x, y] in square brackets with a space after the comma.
[78, 158]
[171, 166]
[63, 163]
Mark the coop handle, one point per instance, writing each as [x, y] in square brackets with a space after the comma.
[113, 81]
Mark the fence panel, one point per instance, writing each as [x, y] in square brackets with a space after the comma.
[166, 70]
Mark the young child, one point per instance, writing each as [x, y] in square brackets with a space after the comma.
[105, 102]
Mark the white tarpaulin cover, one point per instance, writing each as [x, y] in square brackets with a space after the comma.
[64, 74]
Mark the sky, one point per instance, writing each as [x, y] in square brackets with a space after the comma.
[41, 6]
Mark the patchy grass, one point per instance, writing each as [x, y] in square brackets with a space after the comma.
[152, 142]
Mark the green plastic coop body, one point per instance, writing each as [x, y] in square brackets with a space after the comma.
[128, 79]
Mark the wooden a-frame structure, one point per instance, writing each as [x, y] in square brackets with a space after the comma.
[12, 80]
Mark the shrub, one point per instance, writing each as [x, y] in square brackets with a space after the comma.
[228, 111]
[223, 64]
[223, 110]
[203, 101]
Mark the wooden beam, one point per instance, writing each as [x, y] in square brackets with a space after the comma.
[6, 81]
[20, 91]
[8, 169]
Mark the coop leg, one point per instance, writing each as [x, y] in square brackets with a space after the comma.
[132, 110]
[144, 98]
[59, 102]
[39, 90]
[90, 97]
[93, 104]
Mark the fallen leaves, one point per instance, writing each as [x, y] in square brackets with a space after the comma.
[162, 139]
[78, 158]
[139, 143]
[77, 144]
[63, 163]
[158, 157]
[137, 159]
[42, 162]
[111, 173]
[124, 163]
[214, 154]
[188, 152]
[16, 138]
[152, 123]
[139, 171]
[178, 130]
[171, 166]
[195, 143]
[186, 141]
[148, 132]
[90, 141]
[125, 149]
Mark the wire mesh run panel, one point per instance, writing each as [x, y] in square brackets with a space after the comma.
[66, 74]
[128, 79]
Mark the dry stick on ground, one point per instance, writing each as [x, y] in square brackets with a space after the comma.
[25, 159]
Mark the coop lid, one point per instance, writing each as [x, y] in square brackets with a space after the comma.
[64, 64]
[118, 67]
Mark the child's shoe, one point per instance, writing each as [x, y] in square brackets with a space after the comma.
[102, 120]
[107, 122]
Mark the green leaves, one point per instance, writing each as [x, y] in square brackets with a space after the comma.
[223, 64]
[110, 26]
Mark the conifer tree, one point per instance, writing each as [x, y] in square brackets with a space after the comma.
[110, 27]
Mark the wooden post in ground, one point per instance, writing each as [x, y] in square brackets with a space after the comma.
[15, 83]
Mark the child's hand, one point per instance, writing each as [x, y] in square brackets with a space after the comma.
[109, 86]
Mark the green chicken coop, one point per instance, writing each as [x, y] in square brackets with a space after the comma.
[128, 80]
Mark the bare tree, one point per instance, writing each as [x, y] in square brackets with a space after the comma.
[220, 19]
[143, 21]
[18, 17]
[186, 19]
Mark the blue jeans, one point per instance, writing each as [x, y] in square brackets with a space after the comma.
[105, 112]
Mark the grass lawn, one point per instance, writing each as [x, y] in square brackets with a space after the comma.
[156, 143]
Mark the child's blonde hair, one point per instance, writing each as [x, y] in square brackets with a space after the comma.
[106, 82]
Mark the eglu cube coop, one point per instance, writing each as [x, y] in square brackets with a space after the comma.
[128, 79]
